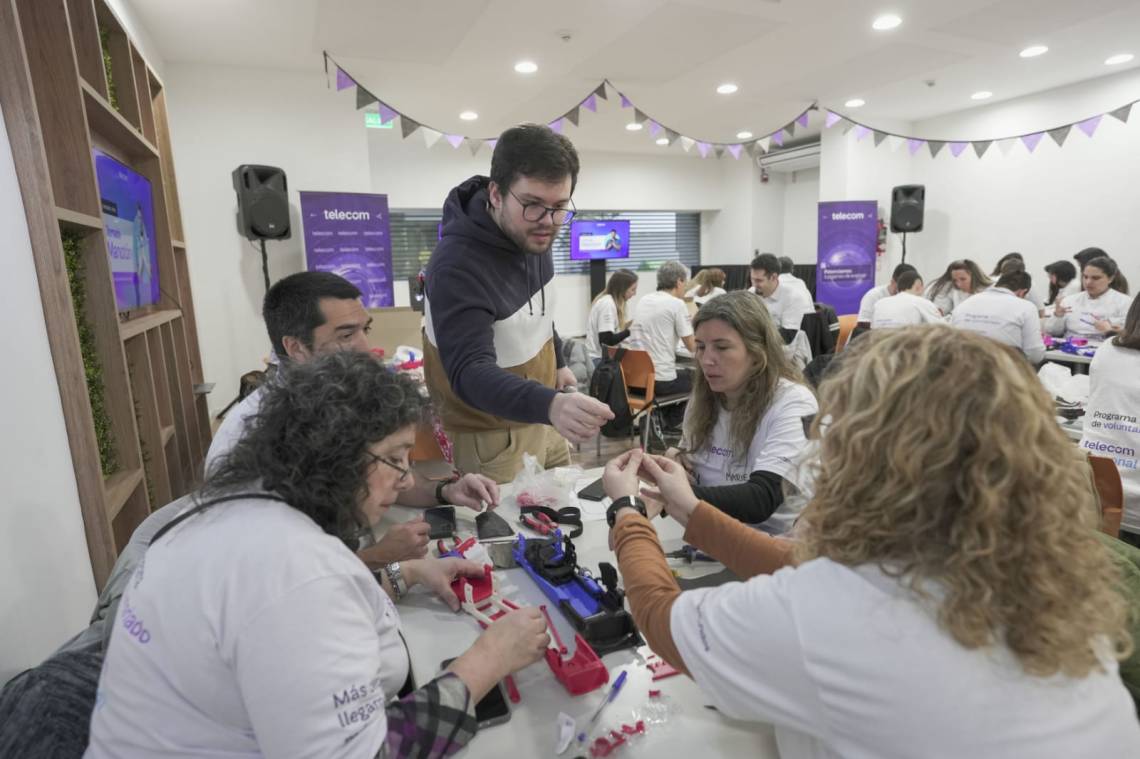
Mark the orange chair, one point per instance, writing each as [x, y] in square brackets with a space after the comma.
[847, 324]
[640, 382]
[1110, 493]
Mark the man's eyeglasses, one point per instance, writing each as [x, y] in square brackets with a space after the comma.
[404, 473]
[536, 211]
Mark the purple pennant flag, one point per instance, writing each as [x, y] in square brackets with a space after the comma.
[861, 132]
[455, 139]
[386, 114]
[654, 128]
[802, 119]
[1088, 126]
[625, 102]
[778, 137]
[914, 145]
[1031, 140]
[591, 103]
[492, 143]
[956, 148]
[703, 148]
[343, 80]
[735, 150]
[831, 119]
[556, 126]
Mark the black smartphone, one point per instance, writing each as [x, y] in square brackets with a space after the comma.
[442, 522]
[493, 708]
[593, 491]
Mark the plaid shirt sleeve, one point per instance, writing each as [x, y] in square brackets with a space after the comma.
[435, 721]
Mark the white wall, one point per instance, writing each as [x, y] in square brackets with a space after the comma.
[125, 11]
[801, 223]
[47, 589]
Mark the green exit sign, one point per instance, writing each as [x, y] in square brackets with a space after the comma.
[372, 121]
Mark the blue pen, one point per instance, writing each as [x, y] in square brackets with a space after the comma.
[614, 690]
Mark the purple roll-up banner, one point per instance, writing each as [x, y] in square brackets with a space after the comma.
[848, 238]
[347, 233]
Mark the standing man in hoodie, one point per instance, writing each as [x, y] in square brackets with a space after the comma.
[492, 358]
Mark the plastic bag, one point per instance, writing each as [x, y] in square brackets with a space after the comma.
[1062, 383]
[535, 486]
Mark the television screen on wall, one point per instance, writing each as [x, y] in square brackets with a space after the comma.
[599, 239]
[128, 224]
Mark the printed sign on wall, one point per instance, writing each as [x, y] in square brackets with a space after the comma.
[347, 233]
[848, 235]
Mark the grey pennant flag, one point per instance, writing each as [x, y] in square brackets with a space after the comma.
[638, 116]
[1122, 113]
[572, 115]
[982, 146]
[364, 97]
[601, 91]
[407, 126]
[1060, 134]
[935, 146]
[474, 145]
[719, 150]
[879, 137]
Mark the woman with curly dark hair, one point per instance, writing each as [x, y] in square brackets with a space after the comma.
[251, 628]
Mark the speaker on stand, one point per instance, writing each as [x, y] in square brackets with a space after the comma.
[908, 203]
[263, 206]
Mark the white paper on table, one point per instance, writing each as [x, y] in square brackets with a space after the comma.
[592, 511]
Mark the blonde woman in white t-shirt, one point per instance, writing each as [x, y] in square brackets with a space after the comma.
[948, 595]
[960, 280]
[744, 425]
[606, 324]
[707, 284]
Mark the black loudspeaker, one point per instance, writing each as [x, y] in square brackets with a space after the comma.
[907, 204]
[263, 202]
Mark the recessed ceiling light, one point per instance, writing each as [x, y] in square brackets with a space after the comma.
[727, 88]
[662, 140]
[526, 67]
[883, 23]
[855, 103]
[1033, 51]
[744, 135]
[982, 95]
[469, 115]
[1119, 58]
[633, 126]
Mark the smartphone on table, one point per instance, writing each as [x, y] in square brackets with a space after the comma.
[442, 522]
[493, 708]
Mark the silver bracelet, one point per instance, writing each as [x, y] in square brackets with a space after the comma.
[396, 579]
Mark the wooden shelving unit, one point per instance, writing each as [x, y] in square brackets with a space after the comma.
[59, 105]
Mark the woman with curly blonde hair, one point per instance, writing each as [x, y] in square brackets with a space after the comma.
[948, 595]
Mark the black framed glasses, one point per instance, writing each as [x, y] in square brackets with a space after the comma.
[536, 211]
[404, 473]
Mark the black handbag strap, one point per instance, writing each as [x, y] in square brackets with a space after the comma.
[199, 508]
[568, 515]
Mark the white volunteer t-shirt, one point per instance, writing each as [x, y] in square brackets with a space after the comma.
[904, 310]
[248, 631]
[1111, 305]
[1112, 420]
[700, 300]
[870, 298]
[948, 299]
[659, 321]
[1000, 315]
[845, 663]
[788, 305]
[794, 281]
[603, 317]
[232, 427]
[776, 447]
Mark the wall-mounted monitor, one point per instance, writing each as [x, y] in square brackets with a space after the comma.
[128, 224]
[591, 239]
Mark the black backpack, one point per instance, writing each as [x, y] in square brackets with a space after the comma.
[607, 386]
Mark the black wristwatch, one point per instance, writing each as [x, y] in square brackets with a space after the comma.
[441, 485]
[632, 502]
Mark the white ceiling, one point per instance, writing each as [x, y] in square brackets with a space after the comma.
[435, 58]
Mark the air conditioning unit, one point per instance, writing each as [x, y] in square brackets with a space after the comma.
[793, 159]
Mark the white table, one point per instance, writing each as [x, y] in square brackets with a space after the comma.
[434, 634]
[1061, 357]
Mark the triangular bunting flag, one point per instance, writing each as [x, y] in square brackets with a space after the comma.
[364, 98]
[1006, 146]
[763, 143]
[387, 114]
[431, 136]
[407, 126]
[343, 80]
[935, 147]
[1122, 113]
[956, 148]
[600, 91]
[847, 126]
[879, 137]
[830, 119]
[861, 132]
[752, 149]
[556, 126]
[591, 103]
[639, 117]
[981, 146]
[894, 142]
[914, 145]
[474, 145]
[703, 149]
[1060, 134]
[687, 143]
[492, 143]
[654, 128]
[790, 129]
[671, 135]
[735, 150]
[802, 119]
[572, 115]
[1088, 126]
[778, 137]
[719, 150]
[625, 102]
[456, 140]
[1032, 140]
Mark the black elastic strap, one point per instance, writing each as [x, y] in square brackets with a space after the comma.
[199, 508]
[570, 515]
